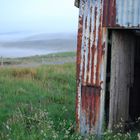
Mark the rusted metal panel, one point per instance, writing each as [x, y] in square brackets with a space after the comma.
[109, 13]
[121, 13]
[95, 16]
[90, 66]
[128, 13]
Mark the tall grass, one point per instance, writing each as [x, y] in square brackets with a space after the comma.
[39, 104]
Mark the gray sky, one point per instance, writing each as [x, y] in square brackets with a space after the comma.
[38, 15]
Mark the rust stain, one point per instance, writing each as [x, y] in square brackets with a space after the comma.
[97, 104]
[91, 103]
[89, 61]
[93, 48]
[89, 52]
[99, 48]
[79, 43]
[109, 13]
[84, 50]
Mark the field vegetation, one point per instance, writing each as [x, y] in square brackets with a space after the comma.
[39, 104]
[33, 61]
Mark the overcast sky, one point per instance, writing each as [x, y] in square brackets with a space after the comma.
[38, 15]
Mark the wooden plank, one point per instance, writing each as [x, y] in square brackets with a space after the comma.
[122, 65]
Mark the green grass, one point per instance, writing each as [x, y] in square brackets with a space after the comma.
[47, 59]
[39, 104]
[31, 99]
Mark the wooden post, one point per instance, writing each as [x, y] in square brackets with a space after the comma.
[122, 70]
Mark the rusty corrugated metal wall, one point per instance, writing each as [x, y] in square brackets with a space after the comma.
[95, 16]
[122, 13]
[90, 56]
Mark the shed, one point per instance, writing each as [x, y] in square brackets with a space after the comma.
[108, 64]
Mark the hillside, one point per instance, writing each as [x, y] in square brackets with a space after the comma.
[36, 44]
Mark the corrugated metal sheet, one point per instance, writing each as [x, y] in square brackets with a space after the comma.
[122, 13]
[94, 18]
[128, 13]
[109, 13]
[90, 69]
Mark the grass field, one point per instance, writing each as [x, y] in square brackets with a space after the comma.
[39, 104]
[33, 61]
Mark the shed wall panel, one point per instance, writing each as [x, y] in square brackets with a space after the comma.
[90, 67]
[121, 13]
[122, 65]
[95, 16]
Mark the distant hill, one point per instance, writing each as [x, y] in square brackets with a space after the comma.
[42, 42]
[44, 36]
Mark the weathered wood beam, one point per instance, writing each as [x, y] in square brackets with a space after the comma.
[122, 71]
